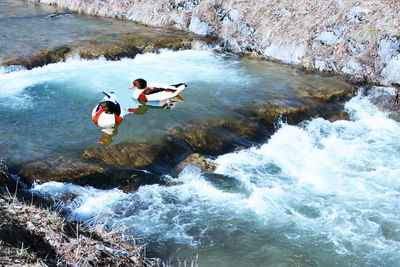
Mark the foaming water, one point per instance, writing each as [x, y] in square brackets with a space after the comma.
[317, 194]
[46, 110]
[51, 105]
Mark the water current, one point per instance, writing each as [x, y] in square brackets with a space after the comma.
[319, 193]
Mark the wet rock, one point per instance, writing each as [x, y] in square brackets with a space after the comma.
[172, 150]
[205, 139]
[111, 46]
[211, 138]
[93, 49]
[387, 99]
[81, 172]
[216, 137]
[269, 112]
[6, 182]
[197, 160]
[326, 92]
[159, 158]
[40, 58]
[64, 169]
[127, 155]
[246, 130]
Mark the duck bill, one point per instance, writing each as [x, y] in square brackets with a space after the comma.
[130, 88]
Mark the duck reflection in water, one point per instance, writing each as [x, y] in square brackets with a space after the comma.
[141, 107]
[108, 114]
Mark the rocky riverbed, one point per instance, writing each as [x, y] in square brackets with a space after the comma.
[358, 40]
[117, 165]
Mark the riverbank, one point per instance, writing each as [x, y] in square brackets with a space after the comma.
[38, 236]
[274, 168]
[357, 39]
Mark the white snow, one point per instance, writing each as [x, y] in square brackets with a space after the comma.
[356, 13]
[388, 48]
[328, 38]
[291, 54]
[392, 71]
[353, 68]
[199, 27]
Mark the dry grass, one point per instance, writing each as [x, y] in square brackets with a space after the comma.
[35, 236]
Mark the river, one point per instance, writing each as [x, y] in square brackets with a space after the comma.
[320, 193]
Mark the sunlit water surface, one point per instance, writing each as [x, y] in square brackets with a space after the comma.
[46, 111]
[317, 194]
[26, 29]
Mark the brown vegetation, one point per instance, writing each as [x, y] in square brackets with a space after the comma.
[37, 236]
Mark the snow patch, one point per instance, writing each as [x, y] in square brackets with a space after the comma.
[282, 12]
[356, 48]
[388, 48]
[290, 54]
[199, 27]
[356, 13]
[353, 68]
[392, 71]
[331, 37]
[321, 65]
[328, 38]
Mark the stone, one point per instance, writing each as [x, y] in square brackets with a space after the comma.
[63, 169]
[199, 27]
[6, 182]
[82, 172]
[388, 48]
[356, 14]
[387, 99]
[328, 38]
[392, 71]
[199, 161]
[126, 155]
[204, 139]
[290, 54]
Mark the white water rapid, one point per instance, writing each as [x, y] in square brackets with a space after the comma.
[318, 194]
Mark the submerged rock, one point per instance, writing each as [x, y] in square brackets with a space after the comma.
[125, 155]
[204, 139]
[157, 157]
[110, 46]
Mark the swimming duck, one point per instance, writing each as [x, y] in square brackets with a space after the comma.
[108, 112]
[155, 91]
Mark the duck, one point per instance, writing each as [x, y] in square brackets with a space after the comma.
[108, 112]
[155, 91]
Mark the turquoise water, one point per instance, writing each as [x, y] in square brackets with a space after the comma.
[47, 110]
[317, 194]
